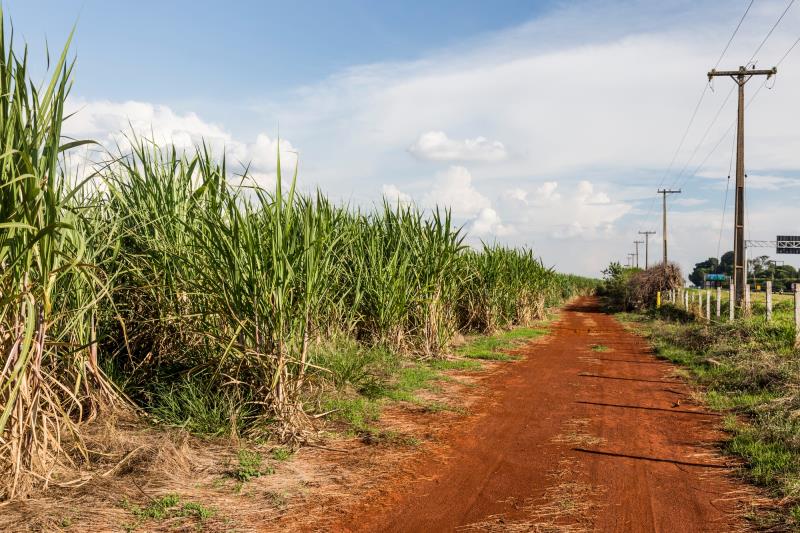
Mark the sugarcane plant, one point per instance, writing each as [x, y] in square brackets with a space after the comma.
[50, 379]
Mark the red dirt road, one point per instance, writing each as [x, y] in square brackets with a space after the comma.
[588, 433]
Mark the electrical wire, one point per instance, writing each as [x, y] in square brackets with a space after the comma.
[725, 202]
[697, 106]
[735, 31]
[769, 33]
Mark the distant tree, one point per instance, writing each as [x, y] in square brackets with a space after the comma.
[725, 264]
[709, 266]
[760, 266]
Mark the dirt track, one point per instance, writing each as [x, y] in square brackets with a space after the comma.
[588, 432]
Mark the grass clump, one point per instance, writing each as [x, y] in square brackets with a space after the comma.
[494, 347]
[165, 507]
[249, 466]
[199, 408]
[281, 454]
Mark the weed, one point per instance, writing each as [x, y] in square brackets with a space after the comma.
[249, 466]
[199, 408]
[197, 510]
[600, 348]
[281, 454]
[359, 413]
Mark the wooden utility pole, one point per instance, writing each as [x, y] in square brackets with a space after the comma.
[741, 77]
[664, 193]
[647, 247]
[637, 243]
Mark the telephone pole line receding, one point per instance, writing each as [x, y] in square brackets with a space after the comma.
[637, 243]
[741, 77]
[664, 193]
[647, 247]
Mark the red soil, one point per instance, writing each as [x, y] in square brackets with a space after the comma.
[572, 438]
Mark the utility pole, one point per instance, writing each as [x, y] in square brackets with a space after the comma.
[647, 247]
[637, 243]
[741, 77]
[664, 193]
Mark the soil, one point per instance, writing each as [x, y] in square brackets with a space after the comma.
[589, 432]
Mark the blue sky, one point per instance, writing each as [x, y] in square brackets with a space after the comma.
[546, 124]
[247, 48]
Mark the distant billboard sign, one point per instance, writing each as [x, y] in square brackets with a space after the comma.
[716, 277]
[788, 244]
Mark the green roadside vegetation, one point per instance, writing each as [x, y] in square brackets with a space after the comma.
[748, 370]
[384, 378]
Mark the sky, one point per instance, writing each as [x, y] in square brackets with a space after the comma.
[542, 124]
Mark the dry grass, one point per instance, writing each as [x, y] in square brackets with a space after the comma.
[567, 506]
[575, 433]
[134, 464]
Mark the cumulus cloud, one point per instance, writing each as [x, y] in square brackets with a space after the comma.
[395, 195]
[488, 223]
[436, 146]
[581, 211]
[453, 188]
[587, 195]
[113, 123]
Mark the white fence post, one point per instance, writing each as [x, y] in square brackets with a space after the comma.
[769, 301]
[797, 315]
[747, 308]
[719, 301]
[686, 299]
[708, 305]
[732, 302]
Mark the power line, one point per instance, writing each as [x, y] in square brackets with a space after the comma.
[725, 202]
[735, 31]
[678, 181]
[697, 106]
[703, 138]
[769, 33]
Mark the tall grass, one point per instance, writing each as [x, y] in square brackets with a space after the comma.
[199, 291]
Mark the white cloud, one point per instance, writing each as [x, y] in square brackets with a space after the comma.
[581, 212]
[395, 195]
[690, 202]
[436, 146]
[587, 195]
[546, 193]
[488, 223]
[112, 123]
[770, 183]
[453, 188]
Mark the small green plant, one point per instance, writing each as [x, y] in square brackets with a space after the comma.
[249, 466]
[358, 412]
[281, 454]
[600, 348]
[167, 506]
[158, 509]
[197, 510]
